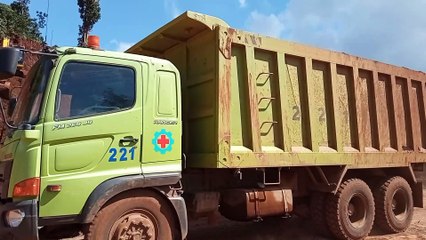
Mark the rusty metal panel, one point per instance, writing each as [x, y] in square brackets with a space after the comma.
[178, 31]
[385, 111]
[418, 115]
[367, 112]
[201, 93]
[403, 114]
[296, 88]
[241, 134]
[345, 114]
[245, 204]
[255, 101]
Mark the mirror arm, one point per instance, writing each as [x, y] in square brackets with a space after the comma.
[4, 116]
[39, 53]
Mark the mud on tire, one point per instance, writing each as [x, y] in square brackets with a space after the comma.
[135, 215]
[394, 205]
[350, 212]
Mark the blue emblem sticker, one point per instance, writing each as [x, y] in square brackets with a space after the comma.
[163, 141]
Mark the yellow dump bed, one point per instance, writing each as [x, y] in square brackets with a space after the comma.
[256, 101]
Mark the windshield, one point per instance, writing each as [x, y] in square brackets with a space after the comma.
[29, 102]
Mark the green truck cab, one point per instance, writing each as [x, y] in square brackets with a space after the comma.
[246, 125]
[82, 120]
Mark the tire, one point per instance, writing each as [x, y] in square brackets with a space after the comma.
[142, 211]
[394, 205]
[350, 212]
[318, 216]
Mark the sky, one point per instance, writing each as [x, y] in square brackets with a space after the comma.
[392, 31]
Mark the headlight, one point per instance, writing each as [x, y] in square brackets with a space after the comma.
[14, 217]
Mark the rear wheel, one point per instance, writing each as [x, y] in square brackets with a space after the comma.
[394, 205]
[350, 212]
[134, 216]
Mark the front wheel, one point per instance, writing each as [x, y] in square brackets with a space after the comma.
[137, 215]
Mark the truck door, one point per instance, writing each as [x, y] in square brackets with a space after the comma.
[162, 123]
[93, 130]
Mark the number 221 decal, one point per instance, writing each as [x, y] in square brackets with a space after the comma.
[121, 154]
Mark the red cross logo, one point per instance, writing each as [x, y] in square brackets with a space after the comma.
[163, 141]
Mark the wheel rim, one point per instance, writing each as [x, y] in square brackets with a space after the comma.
[400, 205]
[357, 211]
[134, 225]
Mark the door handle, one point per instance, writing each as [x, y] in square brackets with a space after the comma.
[129, 139]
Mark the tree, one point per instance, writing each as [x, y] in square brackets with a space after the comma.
[15, 21]
[41, 19]
[7, 21]
[90, 13]
[21, 7]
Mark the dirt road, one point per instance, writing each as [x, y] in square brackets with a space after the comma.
[294, 228]
[287, 229]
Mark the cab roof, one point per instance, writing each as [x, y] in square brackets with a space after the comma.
[111, 54]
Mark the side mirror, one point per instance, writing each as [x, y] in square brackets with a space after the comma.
[11, 107]
[9, 60]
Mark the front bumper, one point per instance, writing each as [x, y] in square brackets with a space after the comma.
[28, 229]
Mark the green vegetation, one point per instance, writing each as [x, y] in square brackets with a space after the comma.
[15, 20]
[90, 13]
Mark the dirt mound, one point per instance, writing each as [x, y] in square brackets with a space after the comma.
[16, 82]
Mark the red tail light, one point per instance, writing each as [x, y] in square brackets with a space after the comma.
[27, 188]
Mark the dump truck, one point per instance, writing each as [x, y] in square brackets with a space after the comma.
[200, 118]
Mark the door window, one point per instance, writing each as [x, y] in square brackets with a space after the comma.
[166, 94]
[87, 89]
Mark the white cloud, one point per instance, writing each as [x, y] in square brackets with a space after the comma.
[172, 8]
[121, 46]
[243, 3]
[386, 30]
[269, 25]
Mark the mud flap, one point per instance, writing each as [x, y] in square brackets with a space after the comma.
[180, 208]
[417, 194]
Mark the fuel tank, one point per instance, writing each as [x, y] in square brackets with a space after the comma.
[249, 204]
